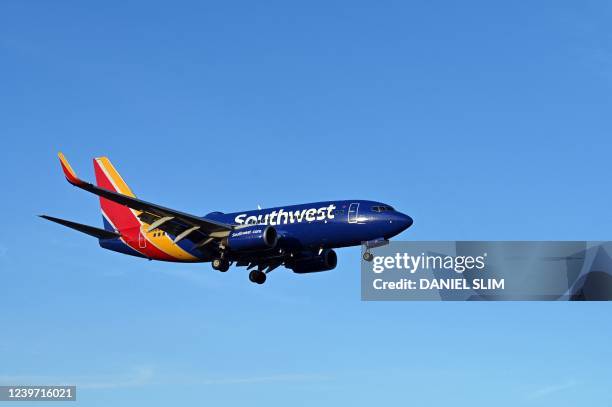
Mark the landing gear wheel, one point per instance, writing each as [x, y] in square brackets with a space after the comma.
[257, 277]
[220, 265]
[367, 256]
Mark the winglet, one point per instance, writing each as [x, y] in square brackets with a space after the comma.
[68, 171]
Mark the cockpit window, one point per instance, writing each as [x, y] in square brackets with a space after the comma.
[382, 208]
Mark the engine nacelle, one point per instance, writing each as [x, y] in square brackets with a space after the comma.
[327, 260]
[251, 238]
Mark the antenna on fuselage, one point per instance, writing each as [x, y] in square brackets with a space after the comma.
[259, 206]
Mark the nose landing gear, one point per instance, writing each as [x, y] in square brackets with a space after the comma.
[371, 244]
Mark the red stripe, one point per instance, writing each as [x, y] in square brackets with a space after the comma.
[125, 220]
[71, 178]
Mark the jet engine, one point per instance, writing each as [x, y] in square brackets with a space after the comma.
[313, 263]
[252, 238]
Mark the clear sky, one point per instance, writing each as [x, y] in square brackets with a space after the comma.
[480, 119]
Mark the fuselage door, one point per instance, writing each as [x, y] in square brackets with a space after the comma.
[142, 240]
[353, 212]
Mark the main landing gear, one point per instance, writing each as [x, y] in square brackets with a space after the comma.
[257, 276]
[221, 265]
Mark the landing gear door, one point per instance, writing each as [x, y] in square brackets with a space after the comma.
[353, 212]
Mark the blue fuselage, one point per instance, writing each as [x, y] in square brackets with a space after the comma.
[306, 227]
[327, 224]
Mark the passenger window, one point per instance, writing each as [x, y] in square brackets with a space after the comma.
[382, 208]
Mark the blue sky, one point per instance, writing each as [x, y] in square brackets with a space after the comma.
[482, 120]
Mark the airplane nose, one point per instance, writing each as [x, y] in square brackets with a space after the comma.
[406, 221]
[397, 222]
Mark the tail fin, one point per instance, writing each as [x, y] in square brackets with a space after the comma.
[116, 217]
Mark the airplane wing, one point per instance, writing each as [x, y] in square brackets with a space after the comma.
[179, 224]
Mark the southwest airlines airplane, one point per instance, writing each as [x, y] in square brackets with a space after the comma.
[300, 237]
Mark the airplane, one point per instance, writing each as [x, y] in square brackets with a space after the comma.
[299, 237]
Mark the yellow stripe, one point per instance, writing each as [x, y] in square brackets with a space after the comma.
[165, 244]
[64, 161]
[115, 176]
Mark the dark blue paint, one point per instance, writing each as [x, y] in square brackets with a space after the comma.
[320, 230]
[331, 233]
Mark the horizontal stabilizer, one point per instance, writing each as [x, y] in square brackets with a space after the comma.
[90, 230]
